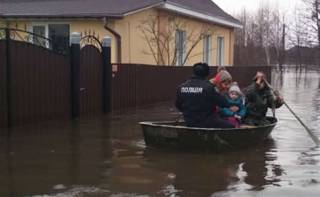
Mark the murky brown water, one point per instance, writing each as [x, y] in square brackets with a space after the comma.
[107, 157]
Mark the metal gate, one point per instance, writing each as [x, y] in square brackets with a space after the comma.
[91, 75]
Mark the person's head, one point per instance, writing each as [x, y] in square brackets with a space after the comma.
[201, 70]
[222, 80]
[259, 79]
[220, 68]
[234, 91]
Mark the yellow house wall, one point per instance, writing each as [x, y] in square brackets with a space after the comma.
[134, 46]
[2, 23]
[195, 26]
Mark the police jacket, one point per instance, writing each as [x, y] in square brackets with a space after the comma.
[197, 99]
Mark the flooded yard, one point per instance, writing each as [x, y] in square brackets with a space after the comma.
[107, 156]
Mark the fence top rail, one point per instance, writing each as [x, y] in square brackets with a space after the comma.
[24, 31]
[30, 38]
[189, 67]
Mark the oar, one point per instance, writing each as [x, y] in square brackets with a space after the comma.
[312, 135]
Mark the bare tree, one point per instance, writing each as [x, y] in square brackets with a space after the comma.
[261, 39]
[312, 18]
[161, 40]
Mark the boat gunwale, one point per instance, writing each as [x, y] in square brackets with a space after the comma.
[164, 124]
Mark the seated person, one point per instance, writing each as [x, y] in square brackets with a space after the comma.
[222, 81]
[259, 98]
[235, 98]
[196, 99]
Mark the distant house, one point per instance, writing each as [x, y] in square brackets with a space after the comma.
[143, 31]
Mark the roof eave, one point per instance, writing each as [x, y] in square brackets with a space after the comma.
[144, 8]
[61, 16]
[184, 11]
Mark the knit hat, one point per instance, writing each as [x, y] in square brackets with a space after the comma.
[235, 88]
[222, 76]
[201, 69]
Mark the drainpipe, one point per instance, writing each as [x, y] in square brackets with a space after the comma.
[117, 36]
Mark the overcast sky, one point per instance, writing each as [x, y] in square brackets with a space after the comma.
[235, 6]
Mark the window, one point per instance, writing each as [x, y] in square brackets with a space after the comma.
[180, 47]
[207, 49]
[41, 31]
[220, 51]
[59, 34]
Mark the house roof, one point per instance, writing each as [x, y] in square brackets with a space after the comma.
[202, 9]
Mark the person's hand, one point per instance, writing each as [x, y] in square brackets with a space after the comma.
[280, 99]
[237, 117]
[234, 109]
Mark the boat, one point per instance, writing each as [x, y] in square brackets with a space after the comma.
[173, 134]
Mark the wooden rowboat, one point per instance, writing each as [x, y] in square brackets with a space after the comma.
[171, 134]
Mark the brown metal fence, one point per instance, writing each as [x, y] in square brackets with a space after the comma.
[136, 85]
[40, 88]
[3, 100]
[42, 84]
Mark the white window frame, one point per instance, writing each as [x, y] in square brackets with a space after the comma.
[46, 25]
[46, 30]
[181, 44]
[207, 49]
[220, 50]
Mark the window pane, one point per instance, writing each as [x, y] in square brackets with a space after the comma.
[60, 37]
[220, 52]
[41, 31]
[207, 49]
[180, 47]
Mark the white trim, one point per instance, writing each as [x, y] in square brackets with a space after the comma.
[188, 12]
[142, 9]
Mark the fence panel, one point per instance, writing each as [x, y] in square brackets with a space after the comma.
[137, 85]
[40, 84]
[91, 61]
[3, 95]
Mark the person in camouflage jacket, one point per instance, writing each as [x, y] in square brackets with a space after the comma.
[259, 98]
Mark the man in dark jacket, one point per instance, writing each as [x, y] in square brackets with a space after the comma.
[197, 99]
[259, 98]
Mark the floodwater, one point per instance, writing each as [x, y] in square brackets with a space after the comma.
[107, 156]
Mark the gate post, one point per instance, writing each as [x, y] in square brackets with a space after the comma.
[75, 74]
[8, 78]
[106, 75]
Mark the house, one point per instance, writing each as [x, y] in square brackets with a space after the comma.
[177, 32]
